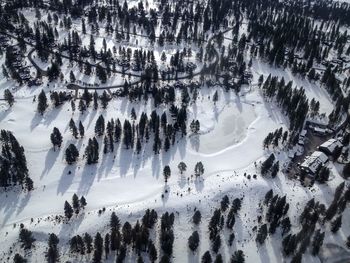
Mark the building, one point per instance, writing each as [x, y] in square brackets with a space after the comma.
[330, 146]
[312, 163]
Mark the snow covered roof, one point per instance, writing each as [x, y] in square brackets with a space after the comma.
[331, 145]
[314, 161]
[319, 130]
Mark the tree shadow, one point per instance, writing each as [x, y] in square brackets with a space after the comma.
[5, 113]
[66, 179]
[13, 200]
[155, 166]
[125, 159]
[35, 121]
[199, 184]
[195, 142]
[87, 179]
[50, 160]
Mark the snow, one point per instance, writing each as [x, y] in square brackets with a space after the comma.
[331, 145]
[313, 162]
[229, 145]
[231, 141]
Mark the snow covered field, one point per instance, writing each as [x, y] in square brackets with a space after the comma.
[230, 141]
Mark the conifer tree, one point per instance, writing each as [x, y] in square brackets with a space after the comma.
[9, 97]
[42, 102]
[182, 167]
[72, 154]
[193, 241]
[75, 203]
[166, 173]
[26, 238]
[81, 129]
[56, 138]
[199, 169]
[68, 210]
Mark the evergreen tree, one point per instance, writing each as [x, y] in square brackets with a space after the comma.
[317, 242]
[197, 217]
[98, 246]
[106, 245]
[88, 242]
[42, 102]
[336, 224]
[72, 77]
[72, 154]
[152, 252]
[83, 202]
[114, 222]
[9, 97]
[73, 128]
[199, 169]
[92, 151]
[75, 203]
[19, 259]
[68, 210]
[262, 234]
[193, 241]
[52, 254]
[56, 138]
[81, 129]
[100, 126]
[182, 167]
[206, 258]
[26, 238]
[166, 173]
[238, 257]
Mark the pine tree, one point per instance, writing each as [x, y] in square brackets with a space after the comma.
[262, 234]
[56, 138]
[166, 173]
[106, 245]
[215, 97]
[114, 222]
[72, 77]
[100, 126]
[75, 203]
[81, 129]
[92, 151]
[26, 238]
[104, 100]
[9, 97]
[193, 241]
[82, 202]
[42, 102]
[199, 169]
[68, 210]
[88, 242]
[19, 259]
[216, 244]
[317, 242]
[152, 252]
[336, 224]
[95, 99]
[72, 104]
[98, 246]
[197, 217]
[72, 154]
[52, 254]
[29, 185]
[182, 167]
[238, 257]
[206, 258]
[73, 128]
